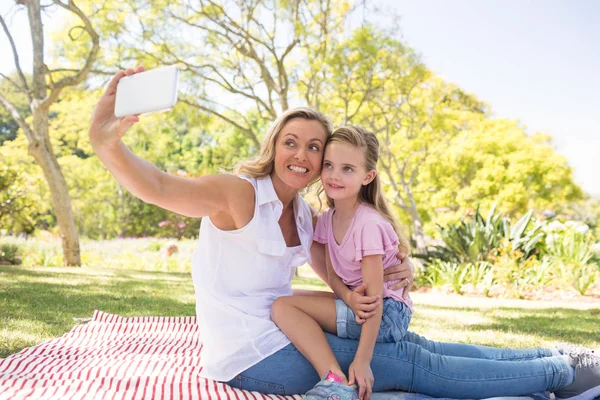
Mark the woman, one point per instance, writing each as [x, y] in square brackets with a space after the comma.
[258, 228]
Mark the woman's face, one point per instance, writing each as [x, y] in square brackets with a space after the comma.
[299, 152]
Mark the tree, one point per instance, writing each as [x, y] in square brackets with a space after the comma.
[248, 60]
[44, 89]
[493, 162]
[375, 80]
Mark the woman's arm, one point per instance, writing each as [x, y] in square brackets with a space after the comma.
[197, 197]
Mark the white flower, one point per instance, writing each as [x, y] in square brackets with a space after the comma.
[555, 226]
[583, 229]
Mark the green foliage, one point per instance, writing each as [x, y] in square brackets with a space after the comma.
[569, 243]
[478, 238]
[450, 273]
[516, 260]
[494, 161]
[571, 248]
[44, 250]
[10, 253]
[441, 149]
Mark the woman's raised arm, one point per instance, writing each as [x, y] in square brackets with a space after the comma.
[193, 197]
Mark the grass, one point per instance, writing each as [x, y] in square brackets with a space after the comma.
[38, 303]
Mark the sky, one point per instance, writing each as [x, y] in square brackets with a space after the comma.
[537, 61]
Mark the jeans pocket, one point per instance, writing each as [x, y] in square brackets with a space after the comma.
[394, 321]
[254, 385]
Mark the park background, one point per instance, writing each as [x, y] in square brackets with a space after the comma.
[486, 112]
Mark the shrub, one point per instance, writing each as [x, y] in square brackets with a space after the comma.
[10, 253]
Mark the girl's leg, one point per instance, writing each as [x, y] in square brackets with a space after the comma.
[406, 366]
[302, 319]
[476, 351]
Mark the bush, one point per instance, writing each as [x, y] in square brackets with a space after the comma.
[10, 253]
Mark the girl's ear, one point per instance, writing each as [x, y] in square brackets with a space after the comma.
[369, 177]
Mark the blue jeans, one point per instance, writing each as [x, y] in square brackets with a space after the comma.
[420, 365]
[395, 319]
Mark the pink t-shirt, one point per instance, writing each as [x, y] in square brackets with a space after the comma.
[369, 233]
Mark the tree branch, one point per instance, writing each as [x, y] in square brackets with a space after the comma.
[12, 110]
[25, 88]
[83, 72]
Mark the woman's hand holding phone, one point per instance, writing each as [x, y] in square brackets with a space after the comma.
[106, 129]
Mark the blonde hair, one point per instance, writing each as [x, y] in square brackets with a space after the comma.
[372, 193]
[263, 164]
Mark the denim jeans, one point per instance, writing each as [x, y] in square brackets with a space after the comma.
[395, 319]
[420, 365]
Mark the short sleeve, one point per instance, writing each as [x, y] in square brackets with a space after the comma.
[374, 237]
[321, 231]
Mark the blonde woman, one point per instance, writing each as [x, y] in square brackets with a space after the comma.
[256, 230]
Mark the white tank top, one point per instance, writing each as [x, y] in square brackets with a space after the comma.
[237, 276]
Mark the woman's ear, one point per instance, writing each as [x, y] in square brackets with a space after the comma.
[369, 177]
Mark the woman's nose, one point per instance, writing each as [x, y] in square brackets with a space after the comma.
[300, 154]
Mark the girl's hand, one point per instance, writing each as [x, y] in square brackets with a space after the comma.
[404, 273]
[360, 373]
[107, 130]
[363, 306]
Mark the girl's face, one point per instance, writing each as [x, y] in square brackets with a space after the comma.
[344, 172]
[299, 152]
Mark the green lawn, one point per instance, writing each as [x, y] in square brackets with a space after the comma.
[37, 303]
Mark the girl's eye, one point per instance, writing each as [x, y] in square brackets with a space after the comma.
[290, 143]
[326, 165]
[314, 147]
[347, 169]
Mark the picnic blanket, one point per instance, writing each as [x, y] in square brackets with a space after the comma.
[114, 357]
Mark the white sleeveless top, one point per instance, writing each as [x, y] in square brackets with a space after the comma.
[237, 276]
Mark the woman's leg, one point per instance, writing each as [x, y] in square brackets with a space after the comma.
[476, 351]
[406, 366]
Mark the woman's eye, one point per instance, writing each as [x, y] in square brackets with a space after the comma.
[314, 148]
[290, 143]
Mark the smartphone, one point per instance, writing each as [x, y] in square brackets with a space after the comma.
[148, 91]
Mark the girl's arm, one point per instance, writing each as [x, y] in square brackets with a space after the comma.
[363, 306]
[360, 370]
[216, 195]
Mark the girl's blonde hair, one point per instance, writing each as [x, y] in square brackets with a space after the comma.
[263, 165]
[372, 193]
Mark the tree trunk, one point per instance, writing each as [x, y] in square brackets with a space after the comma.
[41, 150]
[41, 93]
[417, 224]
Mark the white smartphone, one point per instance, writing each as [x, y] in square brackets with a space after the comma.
[148, 91]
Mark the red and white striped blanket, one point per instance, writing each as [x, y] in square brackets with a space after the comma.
[114, 357]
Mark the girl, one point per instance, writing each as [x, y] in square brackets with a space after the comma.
[362, 239]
